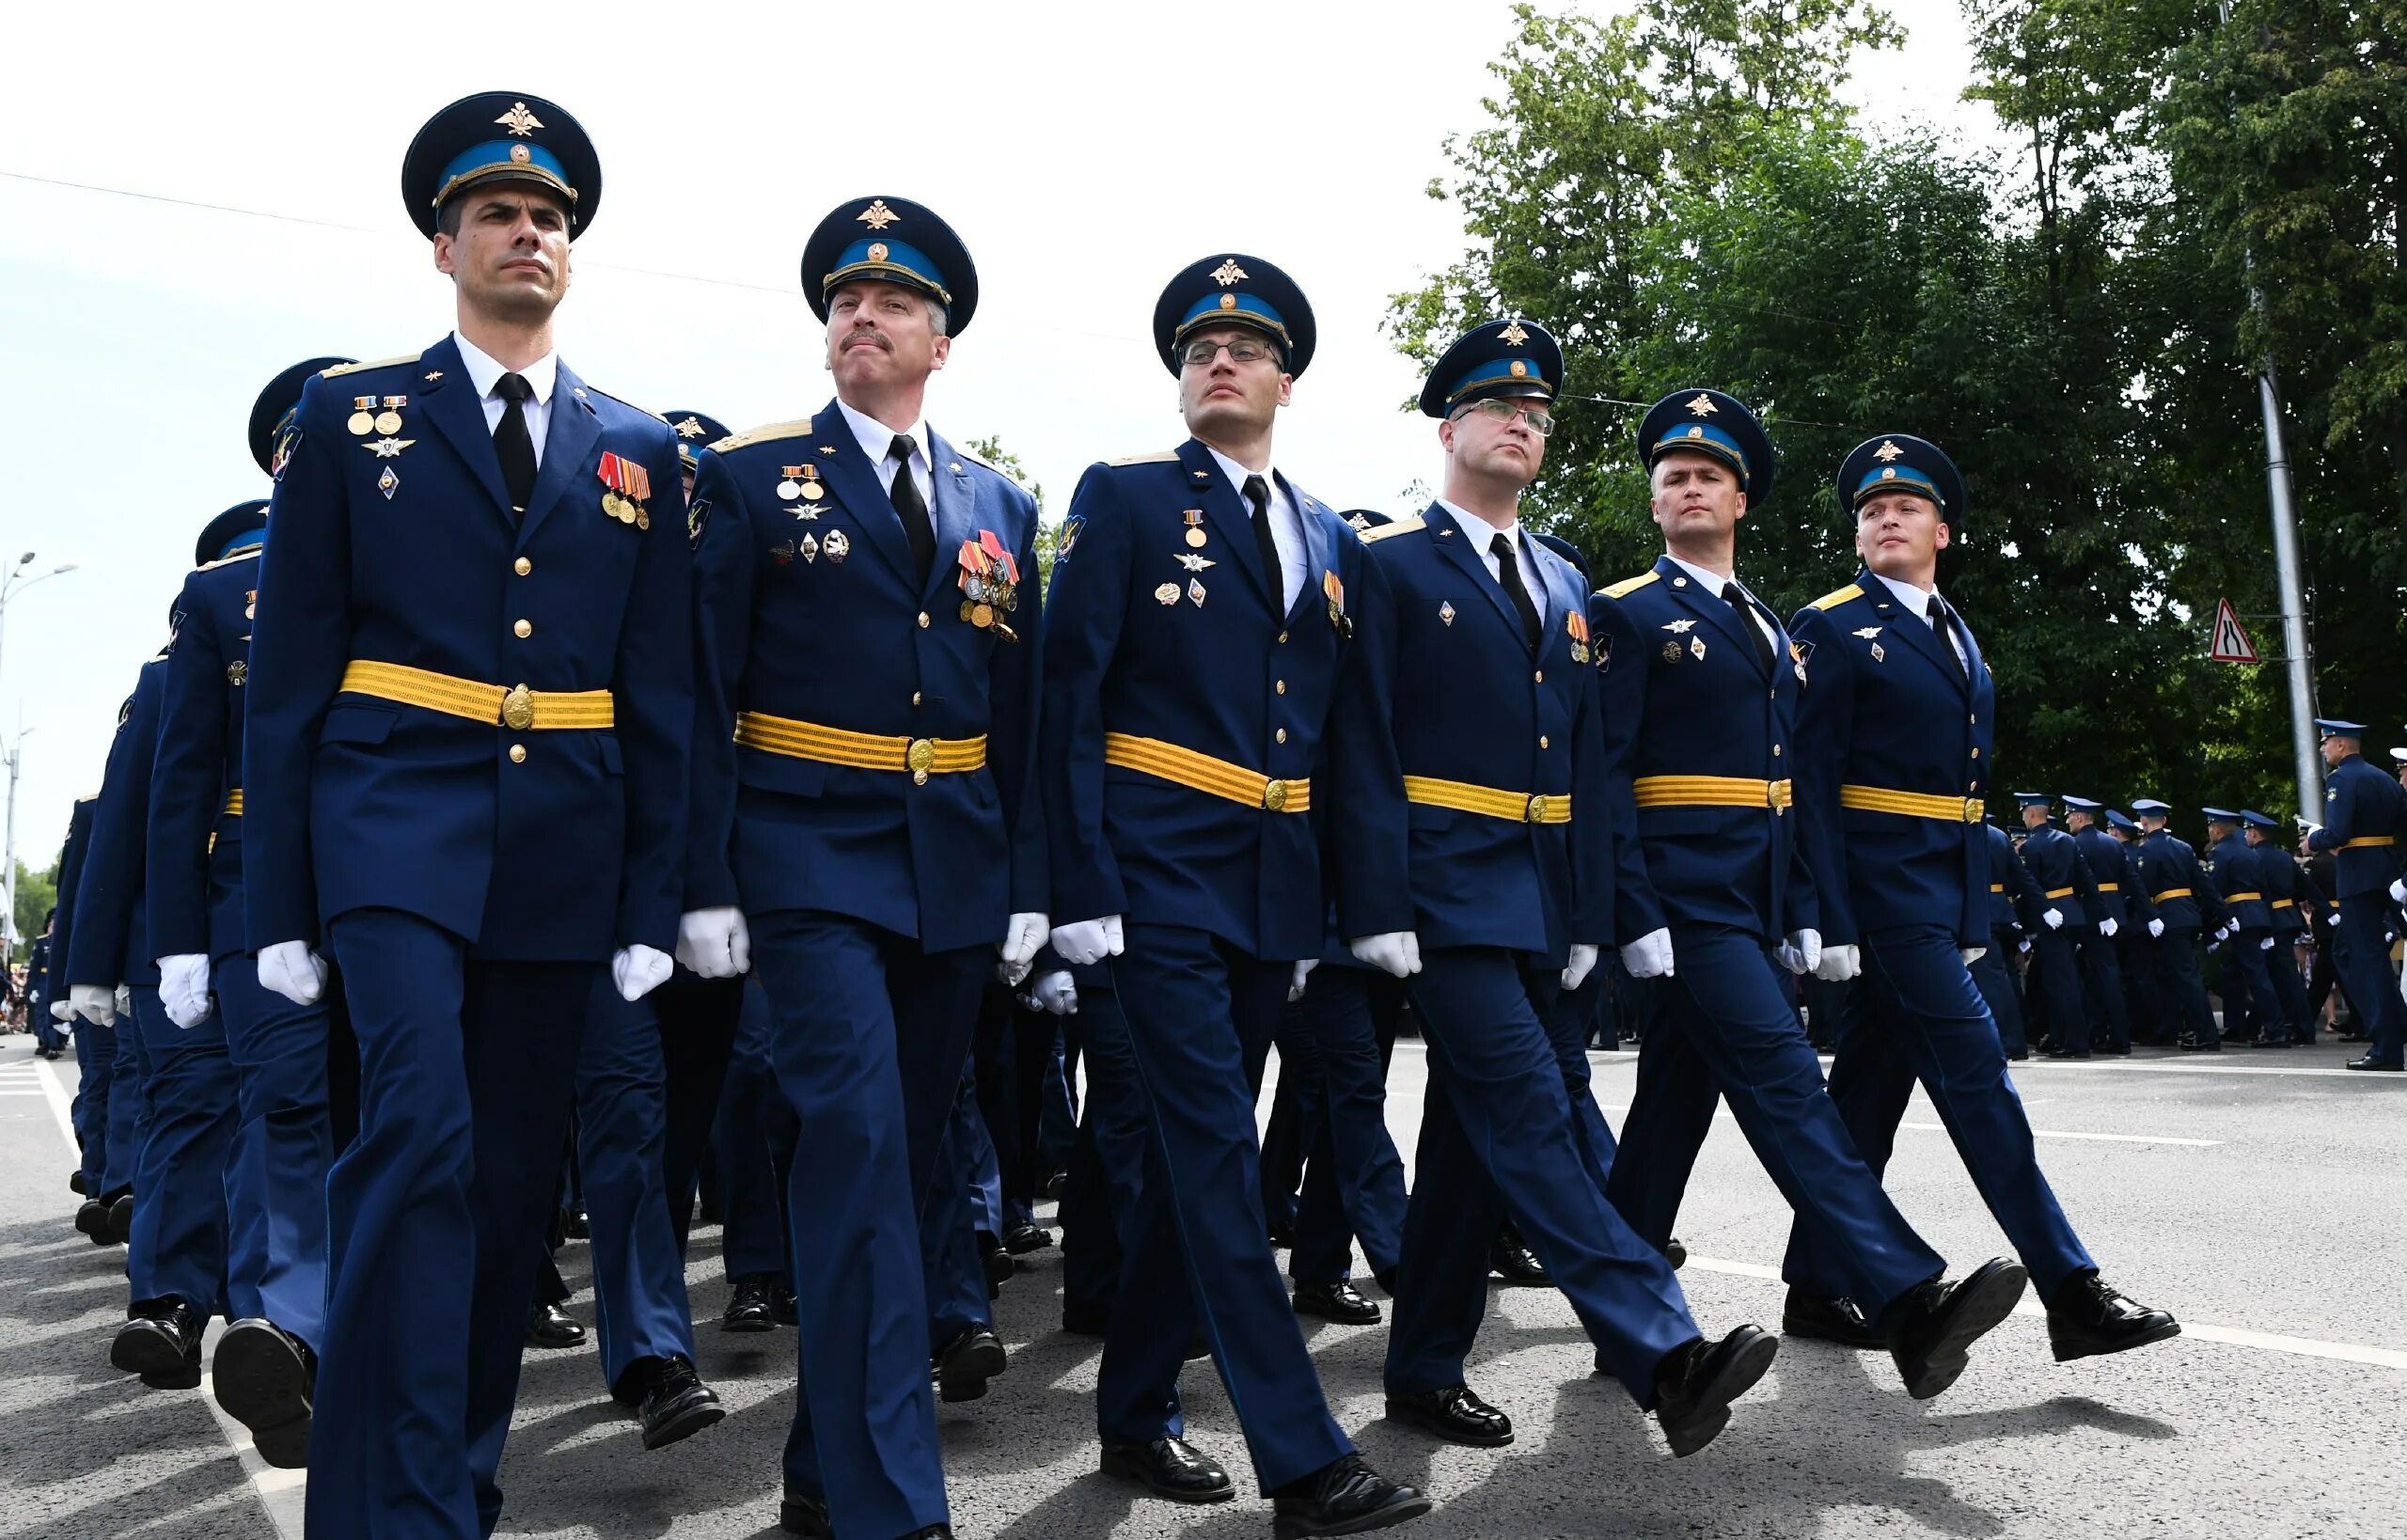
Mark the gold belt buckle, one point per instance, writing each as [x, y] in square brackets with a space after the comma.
[1537, 810]
[920, 756]
[1972, 809]
[518, 709]
[1274, 795]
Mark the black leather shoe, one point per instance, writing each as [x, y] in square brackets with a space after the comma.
[121, 1219]
[1696, 1382]
[1340, 1301]
[1282, 1235]
[750, 1304]
[2087, 1318]
[2271, 1042]
[1516, 1264]
[1170, 1467]
[781, 1302]
[161, 1344]
[2370, 1062]
[2068, 1053]
[1018, 1239]
[548, 1325]
[92, 1218]
[1837, 1320]
[799, 1512]
[574, 1225]
[1675, 1253]
[1931, 1327]
[1000, 1269]
[1346, 1496]
[676, 1404]
[1081, 1319]
[265, 1381]
[1456, 1414]
[75, 1184]
[964, 1365]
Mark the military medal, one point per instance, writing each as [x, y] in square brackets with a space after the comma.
[1671, 651]
[1335, 591]
[627, 487]
[363, 416]
[789, 489]
[813, 489]
[989, 579]
[388, 422]
[1577, 626]
[1195, 536]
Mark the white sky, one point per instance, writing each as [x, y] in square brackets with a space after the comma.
[1084, 151]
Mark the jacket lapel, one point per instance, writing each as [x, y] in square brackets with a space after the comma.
[955, 514]
[1709, 606]
[1228, 519]
[1456, 546]
[1919, 634]
[574, 429]
[855, 480]
[1320, 557]
[449, 402]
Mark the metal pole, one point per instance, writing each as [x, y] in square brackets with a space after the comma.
[8, 914]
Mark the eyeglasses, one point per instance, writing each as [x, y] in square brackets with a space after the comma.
[1541, 421]
[1245, 349]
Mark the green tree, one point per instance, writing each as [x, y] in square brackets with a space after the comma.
[37, 892]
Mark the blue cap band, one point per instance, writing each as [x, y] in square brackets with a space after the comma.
[1711, 440]
[244, 541]
[1245, 309]
[889, 261]
[1899, 478]
[502, 158]
[1518, 373]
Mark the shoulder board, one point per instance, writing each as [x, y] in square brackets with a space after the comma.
[373, 363]
[1831, 601]
[90, 796]
[1393, 527]
[597, 390]
[1628, 586]
[248, 553]
[1154, 459]
[976, 458]
[798, 429]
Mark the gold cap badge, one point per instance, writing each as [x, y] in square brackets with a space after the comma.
[518, 121]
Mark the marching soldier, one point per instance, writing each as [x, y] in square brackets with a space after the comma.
[1881, 755]
[96, 1103]
[472, 657]
[2187, 901]
[1203, 608]
[2137, 947]
[2056, 867]
[870, 840]
[1713, 885]
[2117, 907]
[1474, 862]
[2249, 1007]
[2365, 815]
[2011, 894]
[2282, 881]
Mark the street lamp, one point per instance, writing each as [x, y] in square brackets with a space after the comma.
[9, 588]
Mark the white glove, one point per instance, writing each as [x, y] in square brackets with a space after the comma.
[2266, 944]
[2334, 918]
[638, 969]
[1838, 964]
[1305, 966]
[1021, 939]
[1396, 953]
[1055, 993]
[124, 1001]
[1801, 953]
[62, 1011]
[2024, 945]
[2107, 928]
[95, 1003]
[1649, 956]
[2224, 934]
[2155, 929]
[184, 988]
[2397, 892]
[1085, 941]
[2054, 918]
[1583, 963]
[292, 970]
[1968, 956]
[714, 943]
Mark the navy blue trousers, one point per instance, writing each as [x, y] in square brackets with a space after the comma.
[754, 1139]
[129, 1107]
[276, 1265]
[696, 1020]
[2250, 1008]
[1198, 1011]
[869, 1034]
[434, 1215]
[2102, 982]
[2289, 986]
[1499, 1137]
[1914, 1015]
[1337, 1044]
[2364, 973]
[949, 1219]
[622, 1137]
[1992, 974]
[1099, 1201]
[2185, 992]
[96, 1076]
[2056, 977]
[181, 1184]
[1724, 1027]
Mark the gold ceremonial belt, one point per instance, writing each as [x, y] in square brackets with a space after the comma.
[923, 757]
[1997, 887]
[1713, 792]
[2369, 842]
[2059, 892]
[234, 803]
[2242, 898]
[1947, 810]
[2170, 893]
[2283, 903]
[1512, 807]
[517, 708]
[2109, 887]
[1202, 773]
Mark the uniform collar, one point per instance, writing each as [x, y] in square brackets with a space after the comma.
[1711, 582]
[877, 439]
[1237, 473]
[485, 370]
[1917, 600]
[1481, 533]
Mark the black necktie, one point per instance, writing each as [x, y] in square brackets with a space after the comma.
[1737, 597]
[512, 445]
[907, 507]
[1942, 624]
[1257, 495]
[1508, 572]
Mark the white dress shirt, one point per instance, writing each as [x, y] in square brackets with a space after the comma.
[1714, 584]
[878, 442]
[1482, 536]
[1919, 601]
[1286, 527]
[485, 370]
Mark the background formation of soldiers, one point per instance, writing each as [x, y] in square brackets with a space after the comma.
[481, 807]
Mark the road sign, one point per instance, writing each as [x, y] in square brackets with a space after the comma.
[2230, 644]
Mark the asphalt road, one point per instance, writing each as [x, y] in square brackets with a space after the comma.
[2259, 1197]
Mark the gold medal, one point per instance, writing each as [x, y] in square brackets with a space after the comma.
[1196, 538]
[643, 517]
[388, 422]
[982, 615]
[812, 492]
[968, 609]
[612, 505]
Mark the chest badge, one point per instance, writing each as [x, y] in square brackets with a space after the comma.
[1193, 518]
[1672, 653]
[1878, 656]
[1445, 612]
[1195, 592]
[1696, 648]
[837, 545]
[1678, 628]
[1166, 594]
[807, 548]
[627, 487]
[802, 481]
[989, 579]
[1577, 626]
[389, 484]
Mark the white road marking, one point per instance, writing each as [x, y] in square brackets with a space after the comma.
[1619, 1058]
[1722, 1114]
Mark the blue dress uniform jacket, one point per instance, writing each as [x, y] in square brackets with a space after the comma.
[2365, 821]
[787, 588]
[1428, 698]
[550, 845]
[2063, 878]
[2286, 882]
[111, 943]
[2184, 897]
[72, 857]
[2239, 874]
[1675, 666]
[1131, 621]
[196, 834]
[2117, 896]
[2012, 895]
[1888, 719]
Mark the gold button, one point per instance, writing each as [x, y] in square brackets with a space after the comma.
[522, 566]
[1283, 686]
[1541, 740]
[1282, 639]
[1775, 752]
[1974, 720]
[1976, 753]
[518, 753]
[923, 619]
[914, 698]
[524, 628]
[1539, 676]
[1282, 735]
